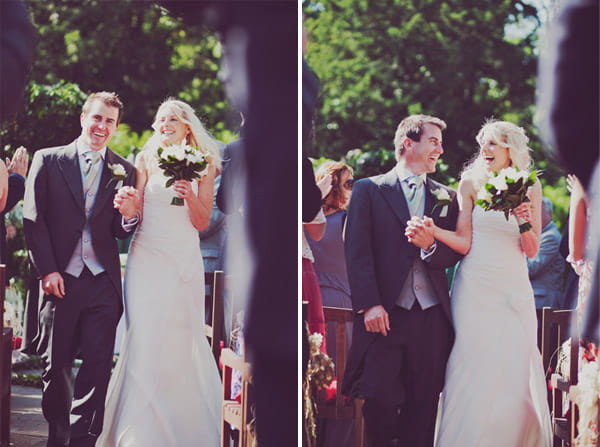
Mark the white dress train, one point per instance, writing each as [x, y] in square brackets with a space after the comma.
[165, 389]
[495, 390]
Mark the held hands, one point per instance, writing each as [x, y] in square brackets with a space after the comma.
[53, 284]
[420, 232]
[18, 164]
[377, 320]
[127, 201]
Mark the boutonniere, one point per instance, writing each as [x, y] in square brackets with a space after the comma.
[443, 199]
[118, 175]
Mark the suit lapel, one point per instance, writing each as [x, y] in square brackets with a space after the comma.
[105, 190]
[392, 192]
[430, 199]
[68, 163]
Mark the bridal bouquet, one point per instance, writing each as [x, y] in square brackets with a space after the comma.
[182, 162]
[505, 191]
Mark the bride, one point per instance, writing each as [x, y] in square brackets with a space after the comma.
[495, 392]
[165, 389]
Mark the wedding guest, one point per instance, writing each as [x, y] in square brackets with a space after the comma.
[568, 82]
[330, 268]
[311, 293]
[546, 268]
[17, 44]
[71, 228]
[165, 389]
[260, 46]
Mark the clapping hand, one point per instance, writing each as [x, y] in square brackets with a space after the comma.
[127, 201]
[420, 232]
[18, 164]
[325, 185]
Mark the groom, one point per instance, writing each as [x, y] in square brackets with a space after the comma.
[70, 227]
[402, 327]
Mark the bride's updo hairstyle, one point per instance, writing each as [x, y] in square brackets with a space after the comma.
[198, 136]
[504, 134]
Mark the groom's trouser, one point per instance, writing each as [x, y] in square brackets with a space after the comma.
[405, 370]
[82, 323]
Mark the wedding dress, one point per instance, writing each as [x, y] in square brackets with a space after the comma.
[165, 389]
[495, 390]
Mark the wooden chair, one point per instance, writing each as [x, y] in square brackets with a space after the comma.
[554, 332]
[5, 367]
[214, 300]
[236, 414]
[341, 407]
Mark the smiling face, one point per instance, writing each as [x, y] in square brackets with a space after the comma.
[170, 129]
[422, 156]
[495, 156]
[98, 124]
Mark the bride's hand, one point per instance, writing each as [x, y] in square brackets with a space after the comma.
[523, 211]
[420, 232]
[183, 188]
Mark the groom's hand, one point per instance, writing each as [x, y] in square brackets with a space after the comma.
[127, 201]
[53, 284]
[377, 320]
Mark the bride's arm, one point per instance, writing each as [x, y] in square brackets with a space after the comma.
[141, 180]
[459, 240]
[200, 205]
[532, 212]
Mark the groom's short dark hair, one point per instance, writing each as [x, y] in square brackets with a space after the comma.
[412, 127]
[111, 99]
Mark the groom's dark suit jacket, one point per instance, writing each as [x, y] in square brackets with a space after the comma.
[379, 257]
[54, 214]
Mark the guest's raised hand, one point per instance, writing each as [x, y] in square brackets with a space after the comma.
[19, 162]
[377, 320]
[575, 188]
[53, 284]
[325, 185]
[183, 188]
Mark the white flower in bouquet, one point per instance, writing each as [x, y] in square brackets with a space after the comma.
[182, 162]
[498, 182]
[505, 191]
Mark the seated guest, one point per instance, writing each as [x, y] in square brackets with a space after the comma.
[547, 267]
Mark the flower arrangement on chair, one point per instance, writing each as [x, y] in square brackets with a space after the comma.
[319, 375]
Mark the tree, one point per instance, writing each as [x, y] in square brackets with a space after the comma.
[381, 61]
[137, 50]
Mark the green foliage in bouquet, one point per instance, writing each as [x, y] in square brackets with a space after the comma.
[505, 191]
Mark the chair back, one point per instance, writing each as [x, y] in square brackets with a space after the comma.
[5, 366]
[214, 301]
[555, 330]
[342, 407]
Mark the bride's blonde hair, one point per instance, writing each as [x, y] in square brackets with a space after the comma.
[198, 136]
[504, 134]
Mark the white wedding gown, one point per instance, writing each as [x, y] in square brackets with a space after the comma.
[165, 390]
[495, 390]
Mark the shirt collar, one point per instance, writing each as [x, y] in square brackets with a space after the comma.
[82, 148]
[403, 173]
